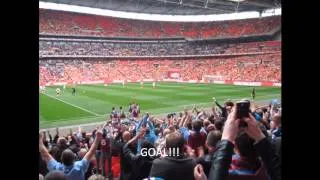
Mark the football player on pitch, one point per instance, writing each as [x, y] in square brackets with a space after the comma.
[58, 91]
[253, 94]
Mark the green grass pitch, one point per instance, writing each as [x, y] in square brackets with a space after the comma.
[93, 103]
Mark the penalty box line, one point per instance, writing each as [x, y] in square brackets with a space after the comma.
[73, 105]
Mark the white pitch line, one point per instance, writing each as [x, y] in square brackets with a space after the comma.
[73, 105]
[87, 125]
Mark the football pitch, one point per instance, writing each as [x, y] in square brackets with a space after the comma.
[93, 103]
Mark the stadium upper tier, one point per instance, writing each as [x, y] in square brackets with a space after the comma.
[92, 48]
[67, 23]
[263, 67]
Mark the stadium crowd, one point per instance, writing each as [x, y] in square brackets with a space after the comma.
[264, 67]
[98, 48]
[212, 144]
[66, 23]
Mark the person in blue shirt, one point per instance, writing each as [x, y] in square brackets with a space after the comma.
[185, 133]
[56, 175]
[73, 170]
[150, 135]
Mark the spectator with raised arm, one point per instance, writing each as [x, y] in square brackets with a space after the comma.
[225, 110]
[226, 152]
[103, 153]
[223, 155]
[149, 134]
[141, 164]
[125, 163]
[264, 149]
[58, 148]
[245, 161]
[74, 170]
[161, 142]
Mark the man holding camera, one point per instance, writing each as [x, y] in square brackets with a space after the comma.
[240, 121]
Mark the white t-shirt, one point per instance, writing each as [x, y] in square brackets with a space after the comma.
[58, 90]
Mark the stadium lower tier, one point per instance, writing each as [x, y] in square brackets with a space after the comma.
[252, 68]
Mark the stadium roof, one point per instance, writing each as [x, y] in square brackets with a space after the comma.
[177, 7]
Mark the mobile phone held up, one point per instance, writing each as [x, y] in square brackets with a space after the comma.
[243, 110]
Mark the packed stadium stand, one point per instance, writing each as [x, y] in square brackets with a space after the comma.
[265, 67]
[77, 47]
[122, 141]
[72, 47]
[85, 69]
[66, 23]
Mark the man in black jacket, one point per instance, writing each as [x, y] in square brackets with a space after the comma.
[225, 110]
[223, 155]
[173, 166]
[211, 143]
[141, 165]
[125, 163]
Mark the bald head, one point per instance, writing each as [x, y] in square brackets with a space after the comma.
[126, 136]
[82, 152]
